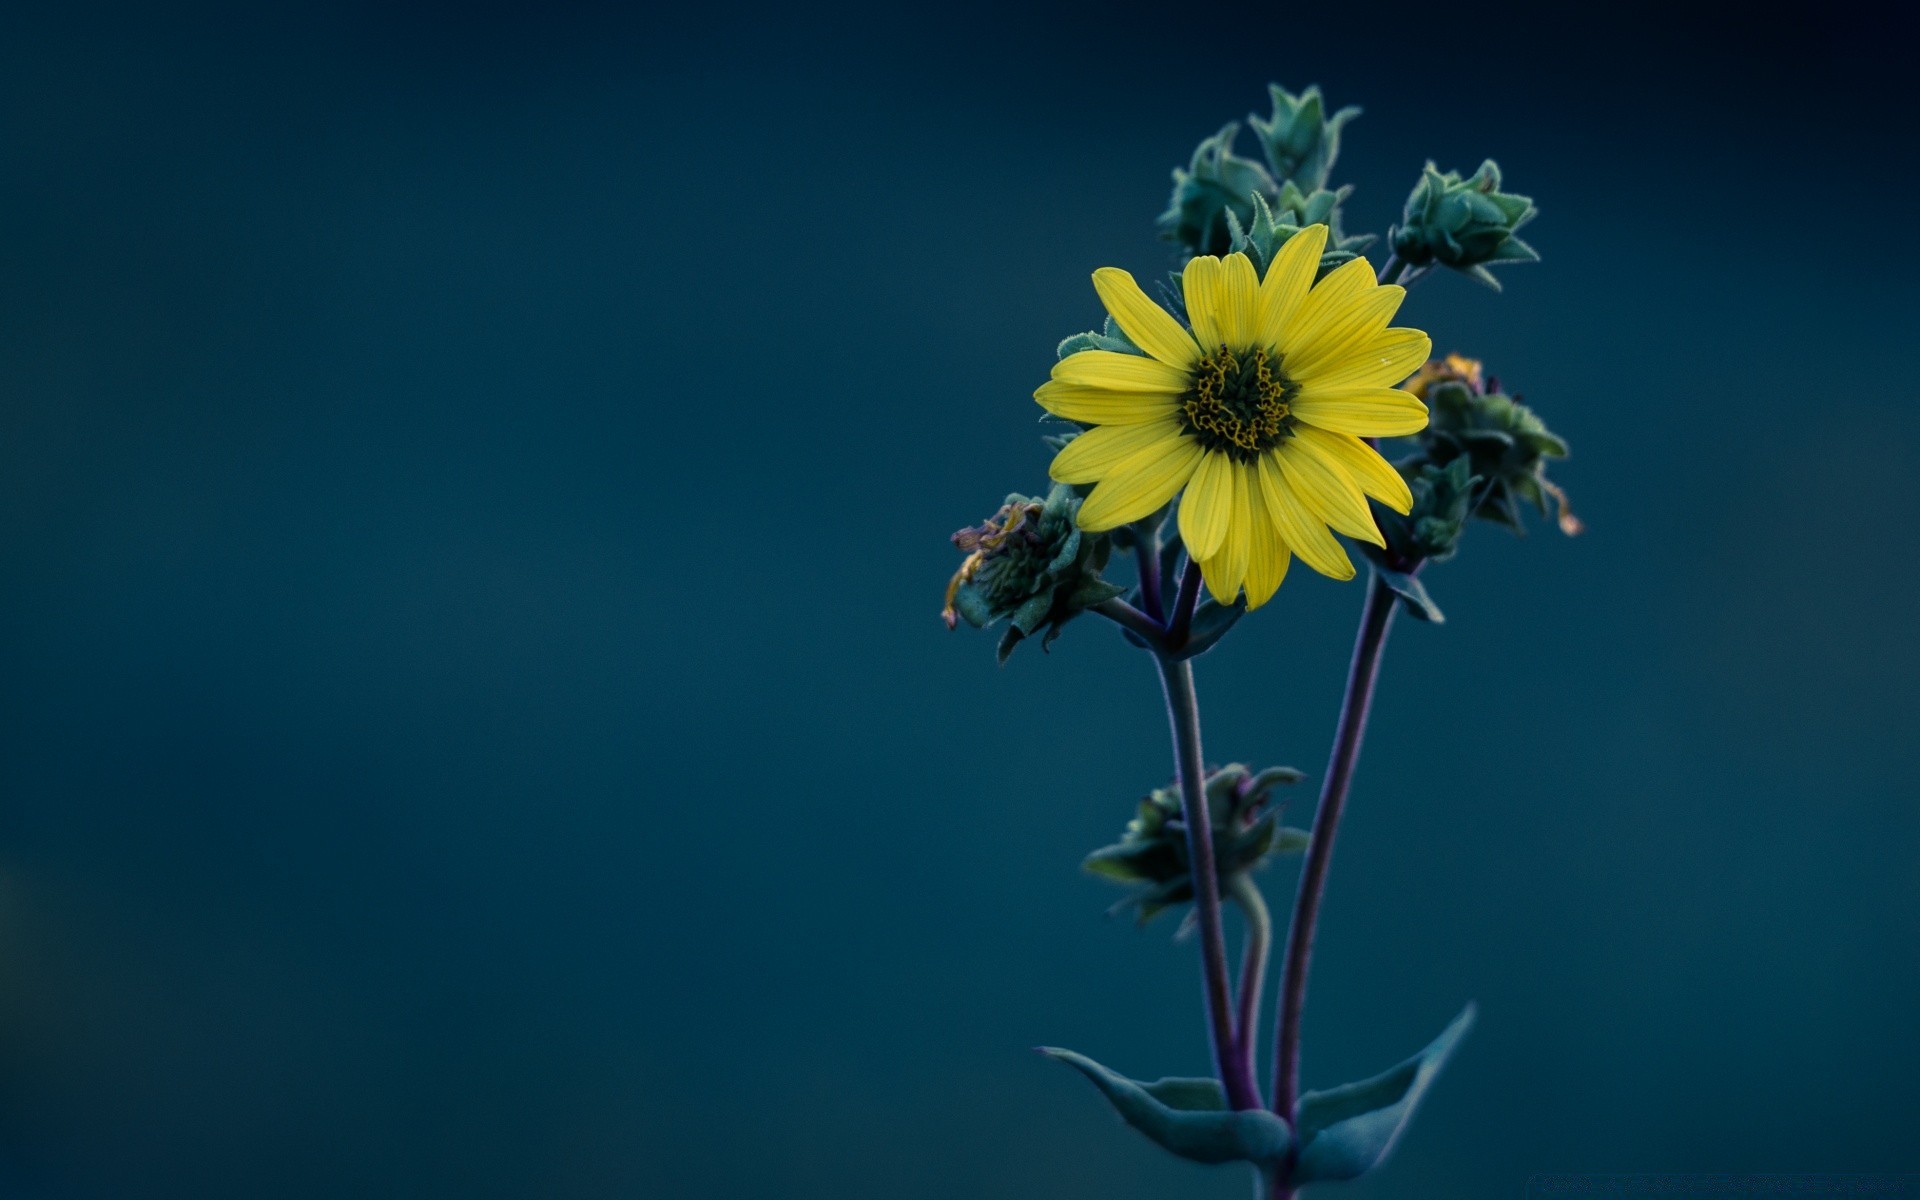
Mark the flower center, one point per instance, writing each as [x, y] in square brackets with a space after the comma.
[1238, 403]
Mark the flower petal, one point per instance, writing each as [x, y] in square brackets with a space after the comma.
[1094, 454]
[1098, 406]
[1201, 283]
[1342, 333]
[1141, 484]
[1390, 357]
[1227, 570]
[1149, 326]
[1239, 301]
[1342, 284]
[1375, 475]
[1288, 278]
[1363, 412]
[1268, 557]
[1207, 508]
[1328, 490]
[1118, 372]
[1299, 528]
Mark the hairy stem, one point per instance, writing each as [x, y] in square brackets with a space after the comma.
[1127, 617]
[1181, 621]
[1375, 620]
[1183, 714]
[1146, 536]
[1253, 966]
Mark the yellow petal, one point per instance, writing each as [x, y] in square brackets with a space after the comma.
[1342, 284]
[1207, 508]
[1344, 332]
[1201, 283]
[1299, 528]
[1098, 406]
[1226, 570]
[1363, 464]
[1118, 372]
[1363, 412]
[1288, 278]
[1239, 301]
[1141, 484]
[1328, 490]
[1094, 454]
[1268, 557]
[1149, 326]
[1390, 357]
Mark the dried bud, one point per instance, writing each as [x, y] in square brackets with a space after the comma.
[1030, 564]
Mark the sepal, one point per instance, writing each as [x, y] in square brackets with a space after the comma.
[1187, 1117]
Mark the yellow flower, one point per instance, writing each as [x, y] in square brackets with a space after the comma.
[1258, 413]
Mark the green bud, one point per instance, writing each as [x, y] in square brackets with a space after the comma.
[1290, 212]
[1443, 499]
[1214, 194]
[1300, 140]
[1466, 224]
[1152, 854]
[1031, 565]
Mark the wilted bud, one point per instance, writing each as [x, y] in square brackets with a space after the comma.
[1300, 140]
[1030, 564]
[1503, 442]
[1465, 224]
[1214, 194]
[1153, 852]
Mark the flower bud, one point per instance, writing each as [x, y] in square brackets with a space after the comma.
[1030, 564]
[1300, 140]
[1214, 195]
[1153, 852]
[1465, 224]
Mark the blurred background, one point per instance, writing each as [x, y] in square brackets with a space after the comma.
[474, 487]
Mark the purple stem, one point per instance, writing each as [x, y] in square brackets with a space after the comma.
[1375, 620]
[1183, 714]
[1147, 534]
[1181, 622]
[1253, 967]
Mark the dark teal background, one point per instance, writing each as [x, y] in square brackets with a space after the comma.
[473, 497]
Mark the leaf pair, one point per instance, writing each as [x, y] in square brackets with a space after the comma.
[1337, 1134]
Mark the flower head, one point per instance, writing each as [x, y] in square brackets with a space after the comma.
[1255, 410]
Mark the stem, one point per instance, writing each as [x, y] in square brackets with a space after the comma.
[1183, 604]
[1127, 617]
[1375, 620]
[1146, 536]
[1391, 270]
[1183, 714]
[1253, 964]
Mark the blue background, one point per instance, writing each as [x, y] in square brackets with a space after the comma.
[473, 498]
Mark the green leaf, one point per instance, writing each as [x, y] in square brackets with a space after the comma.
[1347, 1131]
[1188, 1117]
[1291, 841]
[1413, 595]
